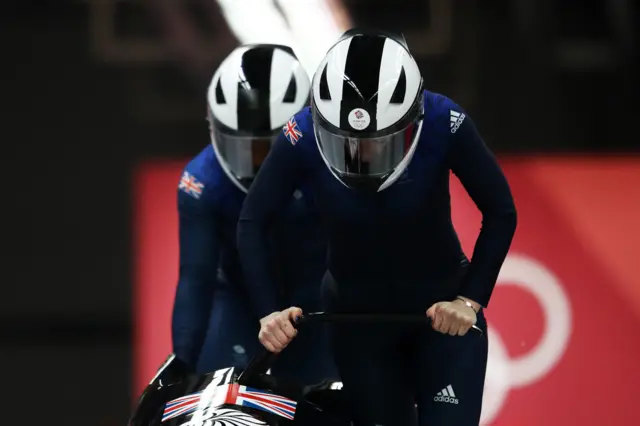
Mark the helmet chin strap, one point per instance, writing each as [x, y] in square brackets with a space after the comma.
[367, 184]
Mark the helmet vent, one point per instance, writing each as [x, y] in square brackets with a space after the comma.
[401, 89]
[220, 99]
[325, 95]
[290, 94]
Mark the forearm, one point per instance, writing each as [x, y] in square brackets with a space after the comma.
[489, 253]
[253, 249]
[191, 311]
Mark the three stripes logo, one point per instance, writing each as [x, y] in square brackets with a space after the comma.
[455, 120]
[446, 395]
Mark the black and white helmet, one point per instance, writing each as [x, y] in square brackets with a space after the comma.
[368, 109]
[252, 95]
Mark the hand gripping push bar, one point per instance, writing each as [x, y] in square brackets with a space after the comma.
[261, 362]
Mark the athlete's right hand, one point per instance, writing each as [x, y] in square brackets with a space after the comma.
[277, 330]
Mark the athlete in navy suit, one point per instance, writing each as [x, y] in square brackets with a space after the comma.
[377, 151]
[251, 96]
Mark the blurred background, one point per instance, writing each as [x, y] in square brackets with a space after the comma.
[105, 102]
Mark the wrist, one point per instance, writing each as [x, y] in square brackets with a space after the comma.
[468, 302]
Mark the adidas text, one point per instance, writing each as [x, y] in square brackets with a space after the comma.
[449, 399]
[456, 119]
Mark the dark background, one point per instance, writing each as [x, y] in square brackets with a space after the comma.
[537, 76]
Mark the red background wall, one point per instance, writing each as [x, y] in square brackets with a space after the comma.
[566, 312]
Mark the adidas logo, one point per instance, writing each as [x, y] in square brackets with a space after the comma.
[455, 120]
[446, 394]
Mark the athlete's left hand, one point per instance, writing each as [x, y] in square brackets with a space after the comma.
[453, 318]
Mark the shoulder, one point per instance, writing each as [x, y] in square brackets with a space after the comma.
[442, 120]
[203, 182]
[442, 114]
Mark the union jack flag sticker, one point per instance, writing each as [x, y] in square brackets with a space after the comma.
[291, 131]
[181, 406]
[262, 400]
[191, 185]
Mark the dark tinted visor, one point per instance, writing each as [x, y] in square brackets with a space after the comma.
[365, 157]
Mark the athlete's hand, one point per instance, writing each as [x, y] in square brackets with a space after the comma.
[277, 330]
[453, 318]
